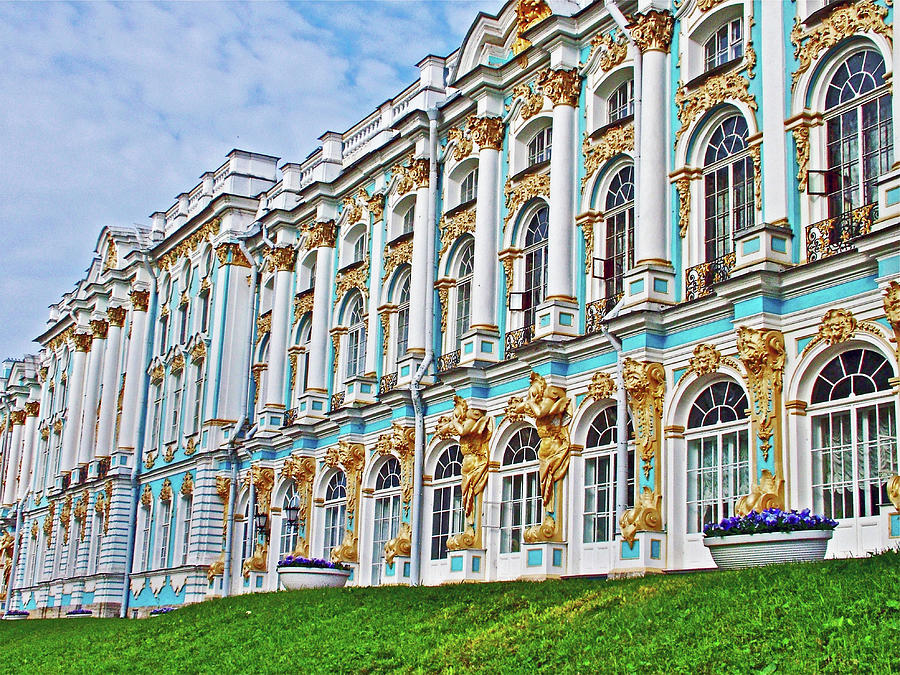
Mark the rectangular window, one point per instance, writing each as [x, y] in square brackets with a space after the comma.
[599, 499]
[335, 520]
[187, 508]
[176, 409]
[145, 542]
[97, 541]
[463, 309]
[165, 521]
[718, 474]
[447, 518]
[521, 508]
[163, 334]
[387, 522]
[725, 45]
[198, 399]
[156, 427]
[183, 325]
[204, 313]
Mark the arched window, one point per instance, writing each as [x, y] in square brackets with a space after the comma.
[725, 45]
[619, 230]
[289, 530]
[539, 146]
[387, 513]
[858, 128]
[469, 187]
[535, 263]
[187, 510]
[464, 291]
[854, 435]
[600, 476]
[409, 219]
[446, 509]
[403, 320]
[620, 103]
[718, 454]
[165, 523]
[335, 506]
[521, 498]
[728, 187]
[356, 338]
[146, 517]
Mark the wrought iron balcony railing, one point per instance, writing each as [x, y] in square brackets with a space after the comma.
[290, 417]
[596, 310]
[387, 383]
[448, 361]
[103, 467]
[337, 400]
[835, 235]
[702, 277]
[516, 339]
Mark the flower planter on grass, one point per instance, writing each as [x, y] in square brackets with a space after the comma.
[79, 614]
[15, 615]
[298, 572]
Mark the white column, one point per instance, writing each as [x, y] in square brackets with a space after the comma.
[488, 133]
[39, 469]
[283, 258]
[321, 238]
[110, 395]
[135, 371]
[417, 288]
[13, 452]
[72, 430]
[375, 350]
[32, 411]
[99, 331]
[561, 228]
[774, 164]
[895, 101]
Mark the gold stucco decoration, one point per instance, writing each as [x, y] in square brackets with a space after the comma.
[165, 492]
[351, 457]
[614, 141]
[99, 329]
[652, 30]
[838, 325]
[116, 316]
[65, 517]
[473, 428]
[454, 227]
[400, 442]
[263, 480]
[61, 339]
[612, 49]
[48, 522]
[177, 364]
[112, 257]
[318, 235]
[150, 459]
[463, 145]
[230, 253]
[717, 89]
[140, 300]
[357, 278]
[375, 204]
[82, 341]
[187, 485]
[412, 176]
[32, 408]
[891, 300]
[147, 496]
[646, 516]
[282, 258]
[561, 86]
[157, 373]
[519, 193]
[303, 303]
[396, 255]
[302, 471]
[205, 233]
[550, 409]
[198, 352]
[683, 186]
[767, 494]
[893, 490]
[844, 21]
[487, 132]
[602, 386]
[529, 13]
[705, 360]
[263, 326]
[532, 102]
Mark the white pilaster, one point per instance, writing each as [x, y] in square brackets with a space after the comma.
[487, 227]
[417, 289]
[283, 258]
[317, 380]
[650, 235]
[99, 330]
[110, 394]
[134, 371]
[72, 429]
[14, 452]
[774, 164]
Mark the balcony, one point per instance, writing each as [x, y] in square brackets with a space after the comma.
[595, 311]
[835, 235]
[701, 278]
[387, 383]
[448, 361]
[337, 401]
[516, 339]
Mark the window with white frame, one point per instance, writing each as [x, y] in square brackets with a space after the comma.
[356, 338]
[463, 291]
[163, 333]
[165, 524]
[289, 531]
[98, 525]
[469, 187]
[447, 517]
[204, 311]
[335, 510]
[520, 506]
[198, 398]
[183, 325]
[63, 545]
[248, 534]
[387, 513]
[600, 476]
[718, 454]
[539, 146]
[409, 220]
[156, 425]
[187, 510]
[728, 187]
[535, 263]
[145, 538]
[725, 45]
[619, 231]
[176, 408]
[854, 435]
[620, 103]
[38, 561]
[359, 247]
[402, 334]
[858, 123]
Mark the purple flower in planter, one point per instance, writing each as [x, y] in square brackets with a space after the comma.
[770, 520]
[161, 610]
[17, 612]
[315, 563]
[78, 612]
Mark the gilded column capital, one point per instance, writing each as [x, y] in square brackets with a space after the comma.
[82, 341]
[375, 204]
[140, 300]
[32, 408]
[487, 132]
[42, 373]
[413, 176]
[16, 417]
[652, 31]
[282, 258]
[562, 87]
[230, 253]
[116, 316]
[319, 235]
[99, 329]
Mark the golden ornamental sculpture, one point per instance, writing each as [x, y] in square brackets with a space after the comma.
[42, 374]
[147, 496]
[165, 492]
[81, 510]
[550, 409]
[842, 22]
[400, 442]
[62, 339]
[112, 257]
[357, 278]
[683, 186]
[157, 373]
[282, 258]
[45, 433]
[518, 194]
[508, 259]
[614, 141]
[532, 102]
[602, 386]
[319, 235]
[454, 227]
[413, 176]
[116, 316]
[303, 304]
[99, 329]
[302, 471]
[207, 232]
[705, 5]
[443, 288]
[169, 454]
[187, 485]
[400, 545]
[35, 530]
[473, 428]
[838, 325]
[705, 360]
[613, 50]
[223, 490]
[263, 480]
[353, 209]
[529, 13]
[82, 342]
[487, 132]
[65, 517]
[587, 232]
[801, 141]
[140, 300]
[375, 204]
[561, 86]
[336, 345]
[652, 30]
[48, 522]
[750, 53]
[891, 300]
[177, 364]
[462, 142]
[351, 457]
[198, 352]
[150, 459]
[58, 426]
[32, 409]
[385, 317]
[164, 312]
[717, 89]
[230, 253]
[263, 326]
[191, 446]
[396, 255]
[893, 491]
[767, 494]
[645, 384]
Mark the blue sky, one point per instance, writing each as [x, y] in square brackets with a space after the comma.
[109, 110]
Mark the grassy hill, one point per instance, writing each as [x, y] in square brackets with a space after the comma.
[836, 616]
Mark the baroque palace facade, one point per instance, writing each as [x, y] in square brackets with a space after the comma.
[608, 272]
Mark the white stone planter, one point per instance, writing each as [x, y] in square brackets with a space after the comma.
[15, 617]
[294, 578]
[79, 616]
[754, 550]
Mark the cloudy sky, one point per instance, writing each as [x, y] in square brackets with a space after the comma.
[107, 111]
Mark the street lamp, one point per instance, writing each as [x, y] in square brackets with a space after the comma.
[292, 511]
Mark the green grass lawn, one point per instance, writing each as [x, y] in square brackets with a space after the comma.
[836, 616]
